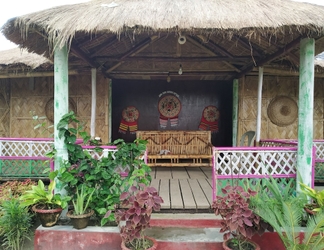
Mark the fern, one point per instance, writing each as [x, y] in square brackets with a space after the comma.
[284, 212]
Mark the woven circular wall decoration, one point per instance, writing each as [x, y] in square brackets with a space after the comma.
[282, 111]
[169, 106]
[49, 108]
[130, 114]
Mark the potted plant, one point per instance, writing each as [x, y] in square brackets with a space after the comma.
[316, 196]
[140, 201]
[99, 173]
[279, 206]
[81, 214]
[47, 205]
[238, 220]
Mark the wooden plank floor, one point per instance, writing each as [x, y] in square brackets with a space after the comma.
[183, 189]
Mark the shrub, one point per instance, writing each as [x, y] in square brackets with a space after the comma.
[15, 224]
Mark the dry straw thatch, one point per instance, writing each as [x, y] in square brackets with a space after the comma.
[23, 58]
[205, 16]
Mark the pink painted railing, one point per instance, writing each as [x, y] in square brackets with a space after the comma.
[253, 162]
[318, 154]
[34, 149]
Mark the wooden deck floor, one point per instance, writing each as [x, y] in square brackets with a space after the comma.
[183, 189]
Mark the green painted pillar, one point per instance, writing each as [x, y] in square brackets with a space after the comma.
[61, 103]
[305, 111]
[235, 112]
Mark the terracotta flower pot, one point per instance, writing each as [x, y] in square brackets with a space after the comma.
[47, 217]
[79, 221]
[153, 247]
[253, 245]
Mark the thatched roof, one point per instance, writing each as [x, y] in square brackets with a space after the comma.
[23, 58]
[140, 37]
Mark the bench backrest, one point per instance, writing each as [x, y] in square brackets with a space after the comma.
[177, 142]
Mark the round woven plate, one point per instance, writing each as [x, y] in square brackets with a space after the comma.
[211, 113]
[169, 106]
[282, 111]
[49, 108]
[130, 114]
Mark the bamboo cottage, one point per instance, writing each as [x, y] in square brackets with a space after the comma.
[180, 66]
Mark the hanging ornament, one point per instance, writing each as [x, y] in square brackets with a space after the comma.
[129, 119]
[169, 108]
[209, 119]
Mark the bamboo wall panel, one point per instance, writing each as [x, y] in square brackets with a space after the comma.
[272, 87]
[4, 107]
[27, 97]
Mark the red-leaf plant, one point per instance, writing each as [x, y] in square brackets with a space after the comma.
[140, 202]
[238, 219]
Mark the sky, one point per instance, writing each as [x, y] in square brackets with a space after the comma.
[13, 8]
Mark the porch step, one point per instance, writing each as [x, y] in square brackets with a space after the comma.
[172, 231]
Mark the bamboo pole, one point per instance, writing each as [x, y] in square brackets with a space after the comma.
[93, 102]
[258, 128]
[235, 112]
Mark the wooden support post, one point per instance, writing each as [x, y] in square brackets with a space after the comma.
[258, 127]
[235, 112]
[93, 102]
[110, 112]
[305, 112]
[61, 104]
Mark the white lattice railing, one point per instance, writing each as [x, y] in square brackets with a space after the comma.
[32, 147]
[319, 145]
[253, 162]
[24, 148]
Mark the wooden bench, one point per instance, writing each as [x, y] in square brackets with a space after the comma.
[178, 148]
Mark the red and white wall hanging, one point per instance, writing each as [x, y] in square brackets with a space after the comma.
[169, 107]
[129, 119]
[209, 119]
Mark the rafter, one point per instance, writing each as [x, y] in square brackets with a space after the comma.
[248, 45]
[135, 50]
[176, 59]
[192, 40]
[97, 50]
[271, 57]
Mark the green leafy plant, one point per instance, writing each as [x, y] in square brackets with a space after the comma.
[98, 174]
[82, 200]
[238, 219]
[15, 224]
[317, 197]
[140, 202]
[45, 197]
[284, 213]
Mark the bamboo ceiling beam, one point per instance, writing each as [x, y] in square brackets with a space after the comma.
[248, 45]
[208, 50]
[89, 40]
[165, 73]
[34, 74]
[79, 53]
[291, 56]
[178, 59]
[271, 57]
[97, 50]
[220, 49]
[135, 50]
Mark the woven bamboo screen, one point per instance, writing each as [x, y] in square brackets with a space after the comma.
[272, 88]
[28, 98]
